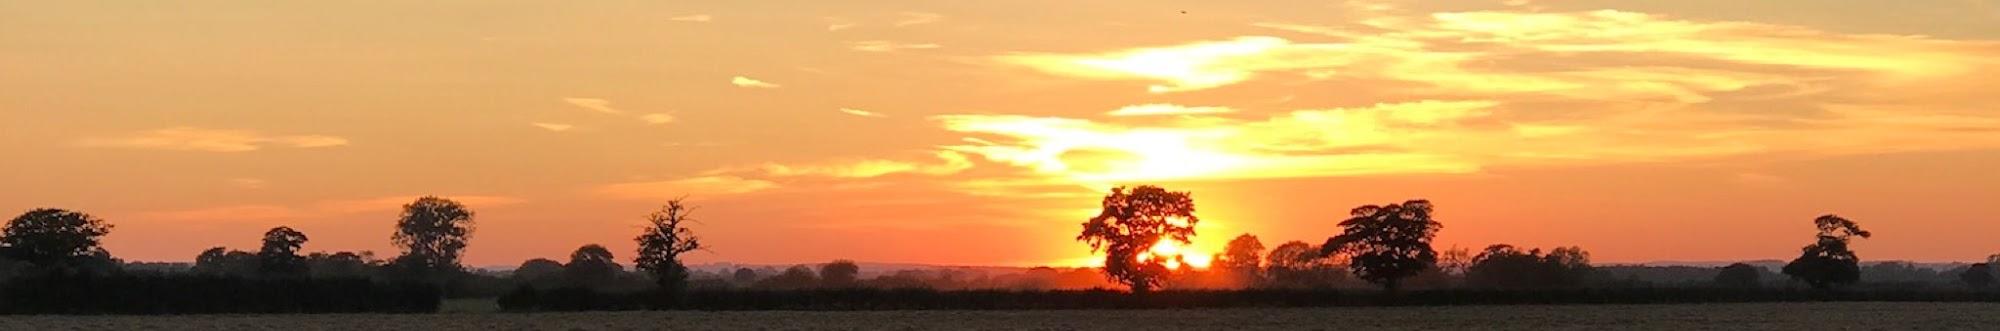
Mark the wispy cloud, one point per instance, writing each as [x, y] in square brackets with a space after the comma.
[669, 189]
[837, 24]
[699, 18]
[319, 209]
[657, 118]
[249, 183]
[210, 140]
[741, 81]
[947, 162]
[862, 113]
[553, 127]
[887, 46]
[1483, 52]
[594, 104]
[233, 213]
[1167, 109]
[918, 18]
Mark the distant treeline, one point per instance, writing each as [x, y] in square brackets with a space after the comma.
[51, 261]
[576, 299]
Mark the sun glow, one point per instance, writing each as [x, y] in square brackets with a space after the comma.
[1174, 254]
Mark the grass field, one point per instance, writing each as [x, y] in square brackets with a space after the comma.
[1767, 316]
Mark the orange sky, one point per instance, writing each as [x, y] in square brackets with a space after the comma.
[983, 132]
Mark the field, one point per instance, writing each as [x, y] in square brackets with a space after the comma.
[1767, 316]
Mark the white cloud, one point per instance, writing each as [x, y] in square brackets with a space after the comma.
[887, 46]
[593, 104]
[553, 127]
[700, 18]
[1167, 109]
[657, 118]
[741, 81]
[211, 140]
[862, 113]
[918, 18]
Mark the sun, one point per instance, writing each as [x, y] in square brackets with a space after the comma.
[1174, 254]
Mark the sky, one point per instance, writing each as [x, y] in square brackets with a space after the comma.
[985, 132]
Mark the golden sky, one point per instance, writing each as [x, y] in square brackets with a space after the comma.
[984, 132]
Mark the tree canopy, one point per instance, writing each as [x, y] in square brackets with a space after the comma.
[1740, 275]
[1504, 266]
[1131, 222]
[279, 254]
[662, 242]
[1243, 253]
[432, 232]
[1828, 261]
[55, 238]
[592, 266]
[1387, 243]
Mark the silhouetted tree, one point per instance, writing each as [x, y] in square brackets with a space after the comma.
[432, 232]
[225, 262]
[592, 266]
[1131, 222]
[796, 277]
[1296, 264]
[279, 255]
[1454, 261]
[1387, 243]
[744, 276]
[56, 239]
[1740, 275]
[840, 274]
[1243, 253]
[1979, 275]
[1828, 261]
[537, 269]
[1504, 266]
[349, 265]
[666, 237]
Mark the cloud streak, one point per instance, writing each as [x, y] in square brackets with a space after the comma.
[862, 113]
[883, 46]
[210, 140]
[918, 18]
[594, 104]
[748, 82]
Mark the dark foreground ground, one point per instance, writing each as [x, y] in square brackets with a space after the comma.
[1763, 316]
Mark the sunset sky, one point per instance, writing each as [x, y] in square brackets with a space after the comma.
[984, 132]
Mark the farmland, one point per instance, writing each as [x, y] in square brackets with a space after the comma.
[1769, 316]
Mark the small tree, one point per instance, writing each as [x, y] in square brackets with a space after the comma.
[1131, 222]
[56, 239]
[226, 262]
[1740, 275]
[663, 241]
[1243, 253]
[537, 270]
[1828, 261]
[432, 232]
[1979, 275]
[840, 274]
[279, 255]
[1388, 243]
[592, 266]
[1296, 264]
